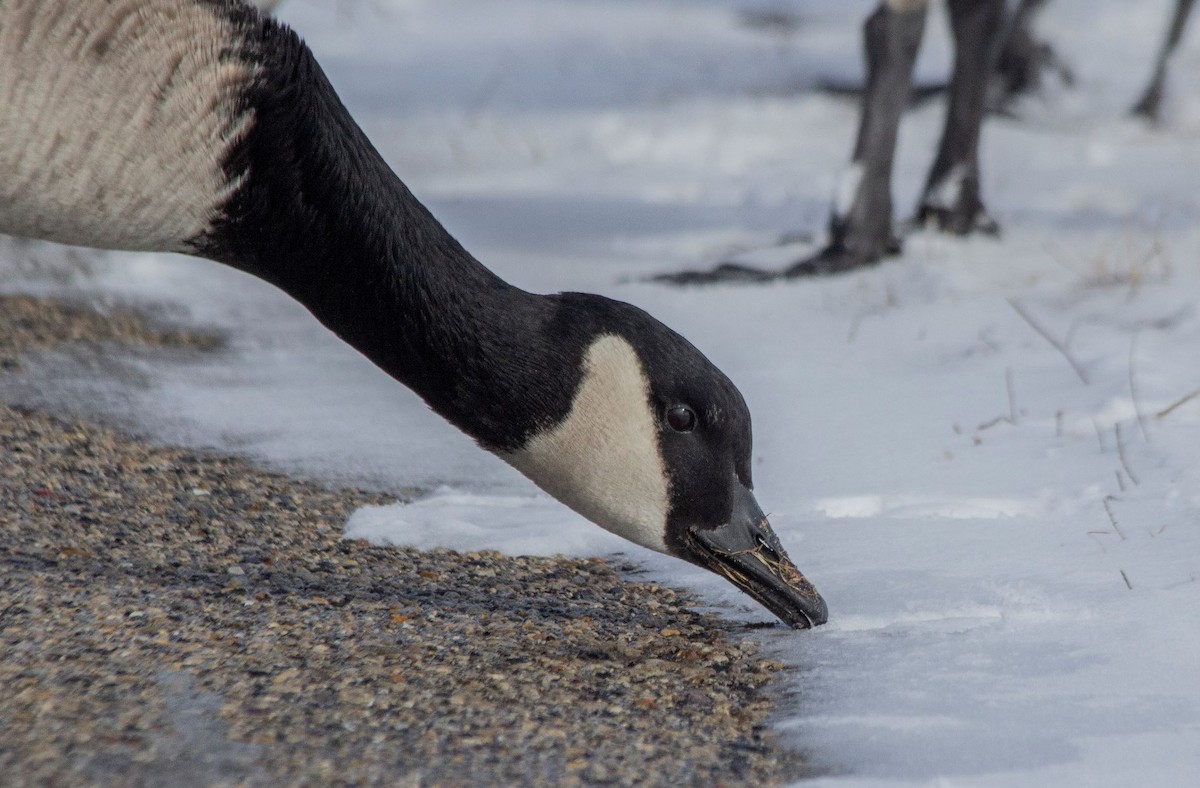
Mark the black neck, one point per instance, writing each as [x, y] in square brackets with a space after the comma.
[319, 214]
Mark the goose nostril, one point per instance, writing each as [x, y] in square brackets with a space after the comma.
[766, 546]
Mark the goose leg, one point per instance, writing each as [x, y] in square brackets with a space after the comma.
[951, 199]
[1024, 58]
[1150, 104]
[860, 228]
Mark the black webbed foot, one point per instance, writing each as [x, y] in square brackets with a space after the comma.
[723, 273]
[1149, 106]
[966, 217]
[839, 256]
[836, 257]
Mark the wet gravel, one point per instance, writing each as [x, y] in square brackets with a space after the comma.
[29, 323]
[174, 617]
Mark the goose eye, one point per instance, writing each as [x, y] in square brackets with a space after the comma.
[681, 419]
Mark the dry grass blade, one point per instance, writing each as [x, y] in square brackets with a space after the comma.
[1162, 414]
[1056, 343]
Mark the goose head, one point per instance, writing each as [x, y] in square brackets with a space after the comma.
[654, 445]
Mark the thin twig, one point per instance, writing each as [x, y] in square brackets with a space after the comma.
[1133, 389]
[1012, 396]
[1099, 435]
[992, 346]
[1182, 401]
[1108, 499]
[1058, 255]
[1121, 454]
[1055, 343]
[1120, 480]
[860, 318]
[987, 425]
[1011, 418]
[1069, 337]
[1125, 577]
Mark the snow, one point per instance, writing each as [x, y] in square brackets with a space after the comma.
[982, 453]
[528, 523]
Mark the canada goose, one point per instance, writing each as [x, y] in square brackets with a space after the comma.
[1149, 106]
[1023, 57]
[202, 127]
[860, 226]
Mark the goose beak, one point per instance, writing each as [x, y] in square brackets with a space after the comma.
[747, 552]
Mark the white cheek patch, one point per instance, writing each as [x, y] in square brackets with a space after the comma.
[603, 460]
[116, 115]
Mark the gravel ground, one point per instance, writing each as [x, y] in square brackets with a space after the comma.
[28, 323]
[173, 617]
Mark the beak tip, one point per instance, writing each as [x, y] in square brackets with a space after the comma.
[809, 614]
[817, 616]
[746, 551]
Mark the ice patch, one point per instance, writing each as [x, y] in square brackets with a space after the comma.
[907, 507]
[884, 722]
[532, 524]
[946, 621]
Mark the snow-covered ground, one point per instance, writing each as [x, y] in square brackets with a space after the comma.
[981, 453]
